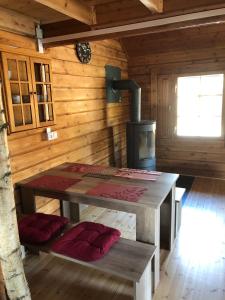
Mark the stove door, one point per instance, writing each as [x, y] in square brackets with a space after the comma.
[146, 145]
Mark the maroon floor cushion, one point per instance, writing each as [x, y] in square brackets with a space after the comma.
[39, 228]
[87, 241]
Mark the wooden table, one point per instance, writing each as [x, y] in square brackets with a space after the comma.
[155, 210]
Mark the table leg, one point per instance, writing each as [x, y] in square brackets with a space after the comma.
[70, 211]
[173, 217]
[148, 231]
[167, 221]
[27, 200]
[149, 226]
[28, 207]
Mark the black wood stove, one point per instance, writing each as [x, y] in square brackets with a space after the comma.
[141, 145]
[140, 133]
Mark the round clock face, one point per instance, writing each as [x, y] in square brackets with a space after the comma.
[83, 52]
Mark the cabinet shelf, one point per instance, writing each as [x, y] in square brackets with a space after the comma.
[18, 81]
[43, 82]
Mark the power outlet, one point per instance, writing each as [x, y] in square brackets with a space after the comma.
[51, 135]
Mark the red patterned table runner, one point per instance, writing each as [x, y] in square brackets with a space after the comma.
[53, 182]
[84, 168]
[138, 174]
[116, 191]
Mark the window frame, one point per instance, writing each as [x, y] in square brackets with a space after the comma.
[199, 138]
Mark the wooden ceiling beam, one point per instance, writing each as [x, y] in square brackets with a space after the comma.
[75, 9]
[155, 6]
[63, 28]
[159, 25]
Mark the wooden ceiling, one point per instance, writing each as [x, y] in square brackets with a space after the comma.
[64, 17]
[118, 12]
[33, 9]
[45, 14]
[180, 40]
[108, 12]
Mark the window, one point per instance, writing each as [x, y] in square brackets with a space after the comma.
[199, 105]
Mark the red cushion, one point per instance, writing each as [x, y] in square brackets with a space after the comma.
[39, 228]
[87, 241]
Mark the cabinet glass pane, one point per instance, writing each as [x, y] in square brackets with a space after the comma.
[47, 73]
[23, 70]
[18, 117]
[40, 92]
[48, 93]
[41, 112]
[37, 71]
[12, 69]
[45, 112]
[15, 93]
[27, 114]
[25, 93]
[42, 72]
[50, 112]
[43, 93]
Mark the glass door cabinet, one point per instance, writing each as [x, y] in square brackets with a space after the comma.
[28, 89]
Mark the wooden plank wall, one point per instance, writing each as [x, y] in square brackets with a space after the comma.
[155, 61]
[89, 130]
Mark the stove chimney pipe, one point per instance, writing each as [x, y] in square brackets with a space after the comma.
[135, 90]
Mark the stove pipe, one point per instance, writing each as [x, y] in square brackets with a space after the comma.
[135, 90]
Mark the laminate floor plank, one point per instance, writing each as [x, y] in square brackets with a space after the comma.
[196, 268]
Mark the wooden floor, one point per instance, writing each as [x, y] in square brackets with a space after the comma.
[194, 271]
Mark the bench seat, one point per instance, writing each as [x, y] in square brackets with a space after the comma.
[126, 259]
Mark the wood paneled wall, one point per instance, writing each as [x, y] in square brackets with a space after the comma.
[155, 61]
[89, 129]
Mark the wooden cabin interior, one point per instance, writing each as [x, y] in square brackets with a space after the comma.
[58, 60]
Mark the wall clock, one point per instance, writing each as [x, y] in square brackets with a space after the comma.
[83, 52]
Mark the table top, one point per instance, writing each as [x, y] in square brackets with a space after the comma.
[154, 194]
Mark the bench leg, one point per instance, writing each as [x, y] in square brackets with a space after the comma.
[143, 288]
[148, 231]
[71, 211]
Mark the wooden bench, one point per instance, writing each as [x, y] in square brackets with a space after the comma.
[127, 259]
[179, 193]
